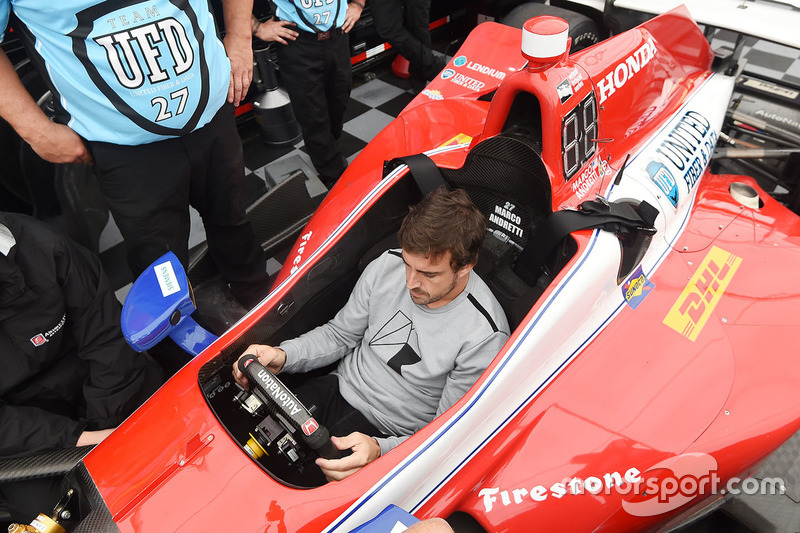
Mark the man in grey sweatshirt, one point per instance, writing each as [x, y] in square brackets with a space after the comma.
[406, 354]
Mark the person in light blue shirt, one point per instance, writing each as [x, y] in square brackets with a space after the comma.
[145, 91]
[317, 73]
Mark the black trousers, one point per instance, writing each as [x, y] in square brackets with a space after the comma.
[409, 35]
[330, 409]
[149, 189]
[318, 75]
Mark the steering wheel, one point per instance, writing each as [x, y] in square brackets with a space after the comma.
[279, 400]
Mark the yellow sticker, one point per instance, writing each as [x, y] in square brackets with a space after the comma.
[703, 292]
[461, 138]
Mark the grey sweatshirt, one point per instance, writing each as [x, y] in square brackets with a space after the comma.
[403, 364]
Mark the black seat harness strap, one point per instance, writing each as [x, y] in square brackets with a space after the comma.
[426, 174]
[613, 217]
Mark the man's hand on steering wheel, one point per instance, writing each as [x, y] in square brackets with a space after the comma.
[365, 450]
[270, 357]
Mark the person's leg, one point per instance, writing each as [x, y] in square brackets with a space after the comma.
[331, 410]
[409, 34]
[147, 191]
[417, 17]
[338, 82]
[217, 192]
[302, 65]
[389, 23]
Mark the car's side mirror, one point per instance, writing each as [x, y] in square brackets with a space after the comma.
[159, 305]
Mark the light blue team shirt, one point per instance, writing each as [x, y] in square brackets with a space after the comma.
[129, 72]
[312, 15]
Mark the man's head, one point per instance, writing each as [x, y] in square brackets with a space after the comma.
[441, 237]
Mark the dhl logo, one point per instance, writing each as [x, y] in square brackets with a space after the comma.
[703, 292]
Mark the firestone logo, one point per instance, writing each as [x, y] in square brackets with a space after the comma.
[298, 258]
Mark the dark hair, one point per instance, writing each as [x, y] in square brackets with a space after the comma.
[444, 220]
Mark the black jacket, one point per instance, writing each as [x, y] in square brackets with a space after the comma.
[65, 366]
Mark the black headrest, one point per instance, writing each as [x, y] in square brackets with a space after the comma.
[507, 180]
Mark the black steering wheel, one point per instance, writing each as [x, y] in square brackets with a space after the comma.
[279, 400]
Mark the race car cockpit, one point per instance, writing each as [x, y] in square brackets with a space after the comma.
[511, 172]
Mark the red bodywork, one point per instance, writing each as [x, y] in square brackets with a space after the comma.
[635, 393]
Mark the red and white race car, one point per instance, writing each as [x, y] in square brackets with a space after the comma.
[653, 306]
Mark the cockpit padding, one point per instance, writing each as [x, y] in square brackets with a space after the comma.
[507, 180]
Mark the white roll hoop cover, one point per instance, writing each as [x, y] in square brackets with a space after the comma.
[544, 39]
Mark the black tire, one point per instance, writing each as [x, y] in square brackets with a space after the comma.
[581, 28]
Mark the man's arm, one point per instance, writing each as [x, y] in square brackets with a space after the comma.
[238, 45]
[324, 344]
[469, 366]
[274, 30]
[90, 438]
[353, 13]
[270, 357]
[119, 379]
[25, 430]
[365, 450]
[28, 430]
[53, 142]
[332, 341]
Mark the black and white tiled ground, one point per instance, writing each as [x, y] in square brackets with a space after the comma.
[772, 61]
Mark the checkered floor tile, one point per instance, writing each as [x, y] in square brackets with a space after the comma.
[770, 60]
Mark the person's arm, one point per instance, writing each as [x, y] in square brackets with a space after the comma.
[387, 443]
[119, 378]
[469, 366]
[354, 8]
[90, 438]
[272, 358]
[326, 343]
[28, 430]
[332, 341]
[274, 30]
[238, 45]
[25, 430]
[53, 142]
[365, 450]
